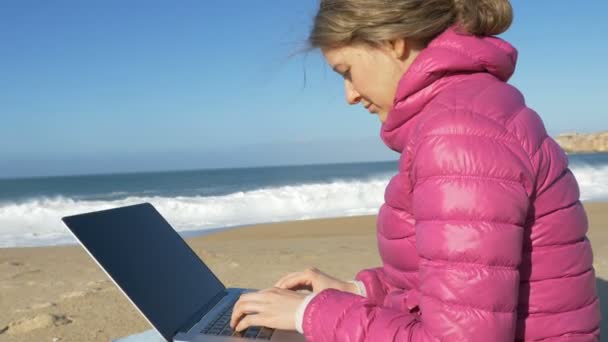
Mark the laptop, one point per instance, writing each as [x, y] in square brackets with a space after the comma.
[162, 277]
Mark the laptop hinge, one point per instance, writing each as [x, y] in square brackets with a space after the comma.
[203, 310]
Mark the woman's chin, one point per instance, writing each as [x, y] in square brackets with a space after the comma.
[382, 116]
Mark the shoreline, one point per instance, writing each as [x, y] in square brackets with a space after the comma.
[198, 233]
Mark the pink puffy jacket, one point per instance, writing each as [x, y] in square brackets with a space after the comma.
[482, 234]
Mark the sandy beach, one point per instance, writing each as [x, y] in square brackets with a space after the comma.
[59, 294]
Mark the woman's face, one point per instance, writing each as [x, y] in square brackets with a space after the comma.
[371, 75]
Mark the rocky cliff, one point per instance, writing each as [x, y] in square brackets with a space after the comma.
[577, 142]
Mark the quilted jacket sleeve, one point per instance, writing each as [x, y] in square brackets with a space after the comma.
[376, 284]
[470, 204]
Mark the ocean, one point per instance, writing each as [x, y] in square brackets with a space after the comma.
[203, 200]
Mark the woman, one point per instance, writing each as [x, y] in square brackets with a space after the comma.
[482, 235]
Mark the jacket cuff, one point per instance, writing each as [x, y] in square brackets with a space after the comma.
[324, 312]
[300, 312]
[299, 317]
[374, 284]
[360, 287]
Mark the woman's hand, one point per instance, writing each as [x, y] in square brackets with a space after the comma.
[314, 280]
[273, 308]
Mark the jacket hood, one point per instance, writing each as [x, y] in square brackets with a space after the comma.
[451, 53]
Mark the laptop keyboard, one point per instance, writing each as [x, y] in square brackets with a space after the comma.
[221, 327]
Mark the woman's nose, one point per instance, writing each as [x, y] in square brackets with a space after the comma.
[352, 96]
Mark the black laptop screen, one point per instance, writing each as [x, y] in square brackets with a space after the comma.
[150, 262]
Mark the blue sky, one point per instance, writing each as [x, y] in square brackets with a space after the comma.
[123, 86]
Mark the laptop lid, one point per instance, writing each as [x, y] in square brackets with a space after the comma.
[149, 261]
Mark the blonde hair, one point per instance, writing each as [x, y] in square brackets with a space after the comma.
[372, 22]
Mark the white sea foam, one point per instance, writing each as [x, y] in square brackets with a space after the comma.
[38, 221]
[592, 181]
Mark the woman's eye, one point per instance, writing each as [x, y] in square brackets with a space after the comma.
[346, 74]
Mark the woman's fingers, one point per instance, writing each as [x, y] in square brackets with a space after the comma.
[245, 306]
[295, 281]
[272, 307]
[243, 324]
[250, 320]
[280, 282]
[249, 309]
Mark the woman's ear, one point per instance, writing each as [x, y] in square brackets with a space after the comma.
[399, 48]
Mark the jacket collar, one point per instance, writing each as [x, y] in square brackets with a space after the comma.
[451, 53]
